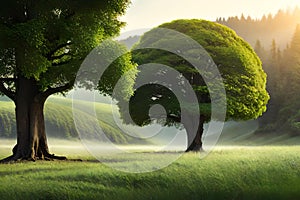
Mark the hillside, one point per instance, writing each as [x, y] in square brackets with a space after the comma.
[130, 41]
[59, 120]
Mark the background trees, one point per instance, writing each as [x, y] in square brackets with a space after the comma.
[283, 68]
[280, 27]
[42, 44]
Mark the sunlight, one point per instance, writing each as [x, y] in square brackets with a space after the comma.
[154, 12]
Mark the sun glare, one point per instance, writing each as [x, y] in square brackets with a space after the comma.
[151, 13]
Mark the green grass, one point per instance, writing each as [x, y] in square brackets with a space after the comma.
[267, 168]
[270, 172]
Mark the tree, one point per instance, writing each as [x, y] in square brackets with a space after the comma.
[260, 50]
[271, 65]
[289, 115]
[240, 67]
[42, 45]
[273, 68]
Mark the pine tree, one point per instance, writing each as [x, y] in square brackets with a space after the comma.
[260, 50]
[294, 62]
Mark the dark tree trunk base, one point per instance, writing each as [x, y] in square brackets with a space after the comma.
[196, 146]
[40, 154]
[16, 158]
[195, 149]
[195, 143]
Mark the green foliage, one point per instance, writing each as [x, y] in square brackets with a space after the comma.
[48, 40]
[143, 101]
[240, 67]
[121, 66]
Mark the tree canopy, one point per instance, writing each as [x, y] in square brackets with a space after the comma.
[47, 40]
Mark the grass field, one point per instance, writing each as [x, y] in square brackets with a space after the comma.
[244, 165]
[231, 172]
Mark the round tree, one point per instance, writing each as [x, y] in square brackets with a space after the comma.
[239, 66]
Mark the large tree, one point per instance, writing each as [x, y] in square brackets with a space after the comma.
[240, 68]
[42, 44]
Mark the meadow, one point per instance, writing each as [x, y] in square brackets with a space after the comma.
[244, 165]
[228, 172]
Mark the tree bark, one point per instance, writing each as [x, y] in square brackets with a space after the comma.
[195, 139]
[31, 134]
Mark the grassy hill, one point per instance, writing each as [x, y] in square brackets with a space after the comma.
[60, 123]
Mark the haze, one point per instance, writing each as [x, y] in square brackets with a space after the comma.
[151, 13]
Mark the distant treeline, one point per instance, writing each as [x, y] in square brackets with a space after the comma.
[283, 70]
[276, 39]
[279, 27]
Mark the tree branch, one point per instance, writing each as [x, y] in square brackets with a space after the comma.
[60, 63]
[51, 91]
[6, 91]
[59, 57]
[50, 54]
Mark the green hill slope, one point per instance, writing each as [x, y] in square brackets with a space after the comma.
[60, 123]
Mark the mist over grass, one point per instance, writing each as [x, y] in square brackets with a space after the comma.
[242, 166]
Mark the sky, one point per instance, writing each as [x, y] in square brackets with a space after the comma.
[145, 14]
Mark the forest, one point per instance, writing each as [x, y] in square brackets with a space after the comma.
[276, 40]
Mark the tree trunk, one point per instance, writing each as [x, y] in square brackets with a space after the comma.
[31, 134]
[195, 139]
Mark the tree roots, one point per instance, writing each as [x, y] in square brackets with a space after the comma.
[17, 158]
